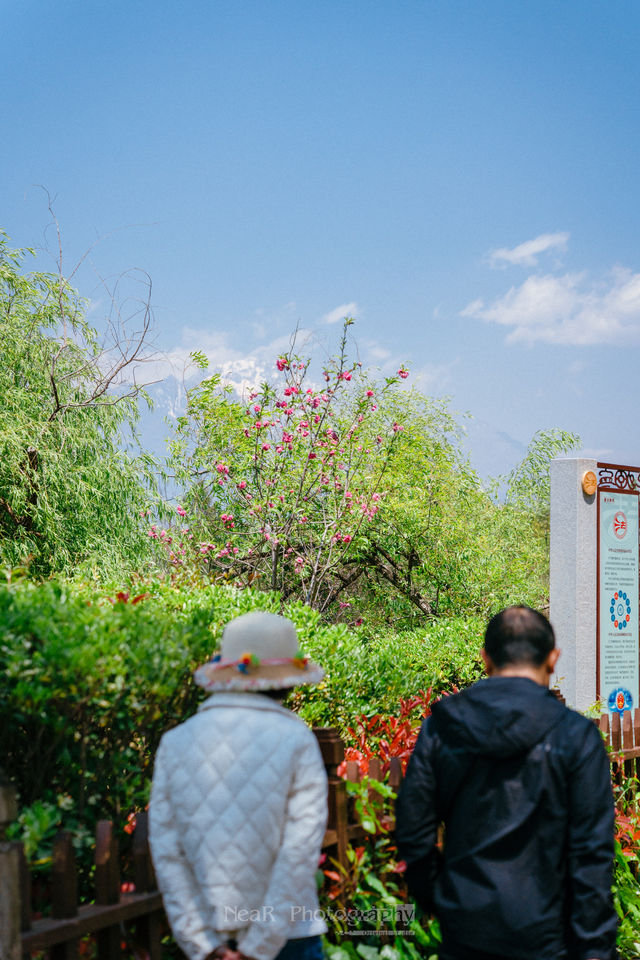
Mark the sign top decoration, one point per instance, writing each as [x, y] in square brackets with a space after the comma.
[612, 476]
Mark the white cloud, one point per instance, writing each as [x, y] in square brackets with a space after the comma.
[339, 313]
[568, 309]
[376, 352]
[433, 378]
[526, 254]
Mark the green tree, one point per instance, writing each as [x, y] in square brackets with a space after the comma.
[446, 543]
[68, 490]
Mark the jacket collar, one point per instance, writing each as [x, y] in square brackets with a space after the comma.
[251, 701]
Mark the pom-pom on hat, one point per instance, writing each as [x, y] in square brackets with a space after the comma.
[259, 651]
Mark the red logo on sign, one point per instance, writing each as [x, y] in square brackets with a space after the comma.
[620, 525]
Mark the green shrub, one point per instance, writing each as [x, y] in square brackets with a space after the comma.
[91, 679]
[88, 685]
[370, 673]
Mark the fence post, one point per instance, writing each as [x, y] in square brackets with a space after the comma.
[107, 879]
[332, 750]
[9, 877]
[149, 928]
[64, 894]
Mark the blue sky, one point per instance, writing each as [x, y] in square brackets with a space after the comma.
[461, 176]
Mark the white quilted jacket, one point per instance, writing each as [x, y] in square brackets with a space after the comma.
[236, 819]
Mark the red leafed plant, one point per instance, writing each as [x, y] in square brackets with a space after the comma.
[386, 737]
[628, 834]
[123, 597]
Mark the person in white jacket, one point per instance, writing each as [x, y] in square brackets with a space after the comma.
[238, 805]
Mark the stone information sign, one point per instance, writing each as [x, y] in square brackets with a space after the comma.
[595, 572]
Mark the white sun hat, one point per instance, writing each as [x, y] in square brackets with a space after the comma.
[259, 651]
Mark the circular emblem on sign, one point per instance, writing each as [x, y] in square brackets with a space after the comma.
[620, 700]
[620, 610]
[620, 525]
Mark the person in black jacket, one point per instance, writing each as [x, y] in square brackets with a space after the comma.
[523, 787]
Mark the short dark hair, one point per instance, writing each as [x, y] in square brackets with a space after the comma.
[519, 635]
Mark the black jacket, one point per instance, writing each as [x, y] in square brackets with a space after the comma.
[523, 787]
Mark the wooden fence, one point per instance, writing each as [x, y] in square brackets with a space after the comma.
[623, 736]
[60, 933]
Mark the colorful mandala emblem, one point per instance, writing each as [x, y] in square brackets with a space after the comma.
[620, 700]
[620, 610]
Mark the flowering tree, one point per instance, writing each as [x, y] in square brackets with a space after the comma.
[280, 488]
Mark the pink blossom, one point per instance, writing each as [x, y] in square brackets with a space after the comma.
[181, 511]
[222, 468]
[374, 406]
[312, 456]
[241, 485]
[369, 393]
[257, 408]
[403, 373]
[326, 376]
[345, 375]
[279, 449]
[266, 446]
[281, 363]
[397, 428]
[359, 622]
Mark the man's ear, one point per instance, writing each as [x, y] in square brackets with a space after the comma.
[552, 659]
[489, 666]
